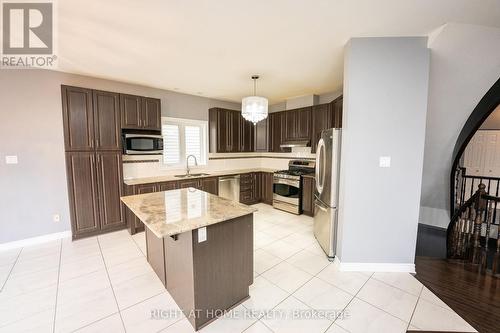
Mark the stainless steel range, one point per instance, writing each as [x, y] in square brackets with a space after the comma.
[287, 185]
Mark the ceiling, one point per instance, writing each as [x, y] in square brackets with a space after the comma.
[211, 48]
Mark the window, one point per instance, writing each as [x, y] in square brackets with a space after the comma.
[184, 137]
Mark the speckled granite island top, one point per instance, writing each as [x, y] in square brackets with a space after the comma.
[173, 212]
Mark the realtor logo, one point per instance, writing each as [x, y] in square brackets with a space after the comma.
[28, 34]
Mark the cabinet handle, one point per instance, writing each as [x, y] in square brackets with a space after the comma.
[92, 143]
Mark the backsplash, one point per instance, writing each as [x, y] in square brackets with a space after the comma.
[141, 166]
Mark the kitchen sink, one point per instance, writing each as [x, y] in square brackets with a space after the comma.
[191, 175]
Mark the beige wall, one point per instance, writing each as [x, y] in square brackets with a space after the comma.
[31, 127]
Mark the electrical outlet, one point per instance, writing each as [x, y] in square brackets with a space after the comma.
[12, 159]
[385, 162]
[56, 218]
[202, 234]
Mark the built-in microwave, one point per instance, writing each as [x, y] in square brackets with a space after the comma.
[142, 144]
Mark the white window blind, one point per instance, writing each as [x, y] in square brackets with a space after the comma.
[184, 137]
[171, 144]
[193, 141]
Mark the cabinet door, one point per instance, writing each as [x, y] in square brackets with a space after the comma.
[261, 135]
[78, 118]
[308, 195]
[130, 107]
[275, 129]
[336, 109]
[110, 189]
[223, 136]
[288, 125]
[142, 189]
[267, 188]
[257, 187]
[168, 186]
[234, 131]
[107, 120]
[213, 130]
[303, 124]
[246, 135]
[322, 118]
[210, 185]
[151, 114]
[189, 183]
[82, 188]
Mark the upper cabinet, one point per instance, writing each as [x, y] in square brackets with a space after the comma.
[140, 112]
[325, 116]
[230, 132]
[151, 113]
[106, 120]
[297, 125]
[91, 119]
[78, 118]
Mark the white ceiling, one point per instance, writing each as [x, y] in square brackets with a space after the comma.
[211, 48]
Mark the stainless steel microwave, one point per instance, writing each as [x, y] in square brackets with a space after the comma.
[142, 144]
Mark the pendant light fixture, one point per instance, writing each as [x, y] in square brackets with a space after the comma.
[254, 108]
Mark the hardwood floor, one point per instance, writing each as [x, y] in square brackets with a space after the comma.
[475, 297]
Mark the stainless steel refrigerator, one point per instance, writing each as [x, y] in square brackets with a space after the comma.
[326, 191]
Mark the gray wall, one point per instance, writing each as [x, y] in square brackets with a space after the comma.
[385, 104]
[31, 127]
[465, 63]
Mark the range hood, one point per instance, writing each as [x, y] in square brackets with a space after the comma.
[298, 143]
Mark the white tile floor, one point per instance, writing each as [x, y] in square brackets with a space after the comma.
[104, 284]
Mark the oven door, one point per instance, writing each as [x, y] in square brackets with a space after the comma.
[286, 190]
[143, 144]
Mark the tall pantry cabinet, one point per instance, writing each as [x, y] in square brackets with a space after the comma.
[92, 137]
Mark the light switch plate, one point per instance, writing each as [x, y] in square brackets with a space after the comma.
[385, 161]
[202, 234]
[11, 159]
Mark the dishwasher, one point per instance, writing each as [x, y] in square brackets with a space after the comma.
[229, 187]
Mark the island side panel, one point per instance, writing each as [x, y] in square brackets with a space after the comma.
[179, 271]
[156, 254]
[223, 267]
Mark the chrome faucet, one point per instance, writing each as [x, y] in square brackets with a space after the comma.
[187, 163]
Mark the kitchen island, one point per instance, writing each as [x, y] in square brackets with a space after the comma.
[200, 246]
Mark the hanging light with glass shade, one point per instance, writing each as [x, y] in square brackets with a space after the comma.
[254, 108]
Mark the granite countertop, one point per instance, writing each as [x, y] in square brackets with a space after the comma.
[173, 212]
[167, 178]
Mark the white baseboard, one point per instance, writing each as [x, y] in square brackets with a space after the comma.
[374, 267]
[34, 240]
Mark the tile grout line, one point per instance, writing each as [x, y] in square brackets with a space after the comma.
[415, 308]
[11, 269]
[57, 287]
[110, 284]
[354, 297]
[401, 289]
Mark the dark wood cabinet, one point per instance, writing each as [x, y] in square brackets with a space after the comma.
[296, 124]
[131, 114]
[275, 131]
[261, 136]
[82, 192]
[110, 189]
[266, 189]
[308, 195]
[325, 116]
[167, 186]
[78, 119]
[106, 107]
[190, 183]
[210, 185]
[140, 112]
[93, 160]
[247, 133]
[249, 188]
[151, 113]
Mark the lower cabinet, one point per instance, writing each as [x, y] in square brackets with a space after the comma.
[210, 185]
[308, 195]
[94, 189]
[249, 188]
[266, 188]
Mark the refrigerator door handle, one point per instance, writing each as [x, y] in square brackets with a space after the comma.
[320, 167]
